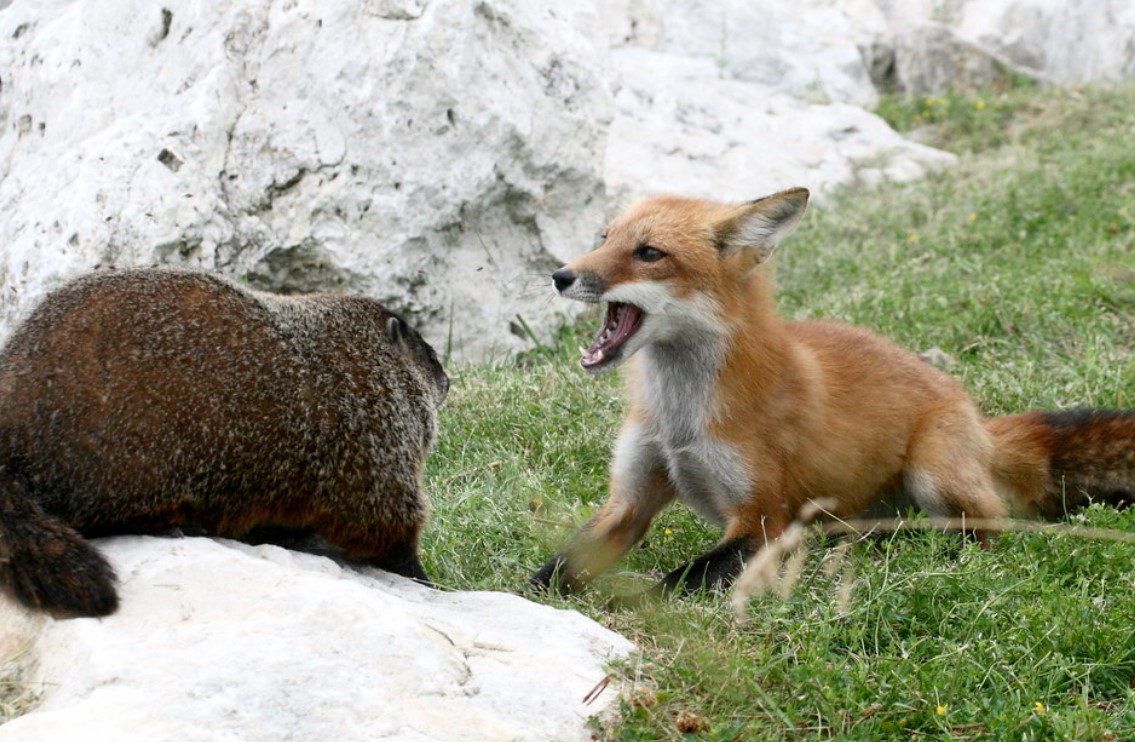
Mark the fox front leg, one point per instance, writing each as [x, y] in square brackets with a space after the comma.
[639, 489]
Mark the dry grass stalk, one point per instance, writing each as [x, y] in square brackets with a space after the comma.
[17, 697]
[764, 574]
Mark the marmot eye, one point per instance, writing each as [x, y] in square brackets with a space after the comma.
[648, 254]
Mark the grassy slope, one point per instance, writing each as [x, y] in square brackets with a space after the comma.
[1019, 265]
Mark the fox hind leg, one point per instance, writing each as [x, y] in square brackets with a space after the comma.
[746, 533]
[719, 566]
[948, 469]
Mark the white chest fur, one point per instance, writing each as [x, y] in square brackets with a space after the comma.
[708, 474]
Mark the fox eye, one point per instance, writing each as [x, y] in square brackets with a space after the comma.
[648, 254]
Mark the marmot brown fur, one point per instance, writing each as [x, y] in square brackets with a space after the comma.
[139, 400]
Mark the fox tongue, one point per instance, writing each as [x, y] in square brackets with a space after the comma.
[622, 321]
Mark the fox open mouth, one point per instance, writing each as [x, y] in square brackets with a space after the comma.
[623, 320]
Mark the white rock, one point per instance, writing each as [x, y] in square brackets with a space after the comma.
[734, 100]
[682, 129]
[636, 23]
[442, 156]
[807, 48]
[929, 59]
[901, 14]
[445, 155]
[217, 640]
[1057, 41]
[1063, 41]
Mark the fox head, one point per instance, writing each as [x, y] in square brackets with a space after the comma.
[666, 265]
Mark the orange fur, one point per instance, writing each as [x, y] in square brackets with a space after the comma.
[747, 416]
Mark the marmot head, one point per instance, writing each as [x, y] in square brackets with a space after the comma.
[414, 348]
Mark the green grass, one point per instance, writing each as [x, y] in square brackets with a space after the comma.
[1019, 265]
[961, 121]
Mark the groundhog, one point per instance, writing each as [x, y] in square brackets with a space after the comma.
[145, 400]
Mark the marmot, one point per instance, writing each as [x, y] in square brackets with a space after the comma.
[140, 400]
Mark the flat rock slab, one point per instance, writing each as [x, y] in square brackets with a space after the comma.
[217, 640]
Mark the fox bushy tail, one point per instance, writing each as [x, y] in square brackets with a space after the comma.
[1055, 462]
[46, 564]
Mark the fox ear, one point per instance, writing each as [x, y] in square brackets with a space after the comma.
[759, 226]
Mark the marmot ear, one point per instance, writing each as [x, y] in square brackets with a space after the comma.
[759, 226]
[396, 330]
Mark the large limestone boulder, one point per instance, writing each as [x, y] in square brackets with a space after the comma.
[929, 58]
[442, 156]
[936, 45]
[219, 640]
[680, 128]
[737, 99]
[446, 155]
[807, 48]
[1061, 41]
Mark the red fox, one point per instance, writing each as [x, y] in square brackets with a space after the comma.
[746, 417]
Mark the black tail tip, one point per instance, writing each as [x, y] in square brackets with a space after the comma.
[72, 582]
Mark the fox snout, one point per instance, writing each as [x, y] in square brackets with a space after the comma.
[583, 286]
[563, 279]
